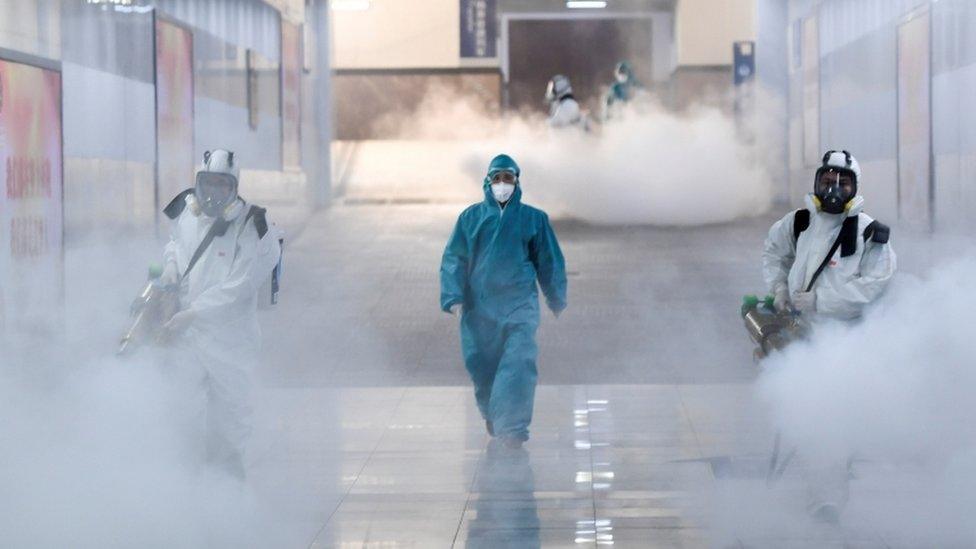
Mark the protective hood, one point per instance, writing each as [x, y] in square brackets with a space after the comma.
[558, 88]
[217, 182]
[624, 71]
[503, 162]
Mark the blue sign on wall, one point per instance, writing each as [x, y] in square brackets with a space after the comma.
[744, 62]
[478, 28]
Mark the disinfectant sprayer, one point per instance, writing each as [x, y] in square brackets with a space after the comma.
[151, 310]
[770, 329]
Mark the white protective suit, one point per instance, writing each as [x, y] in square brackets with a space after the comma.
[220, 346]
[848, 284]
[564, 112]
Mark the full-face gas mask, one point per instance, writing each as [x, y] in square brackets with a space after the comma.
[216, 183]
[835, 184]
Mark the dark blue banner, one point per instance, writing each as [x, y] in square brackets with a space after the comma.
[478, 28]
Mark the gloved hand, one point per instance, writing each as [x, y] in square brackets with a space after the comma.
[781, 299]
[180, 322]
[805, 302]
[456, 309]
[171, 274]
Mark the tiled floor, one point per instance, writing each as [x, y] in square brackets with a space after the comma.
[646, 433]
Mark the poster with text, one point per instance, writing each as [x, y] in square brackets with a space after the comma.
[174, 111]
[31, 207]
[478, 28]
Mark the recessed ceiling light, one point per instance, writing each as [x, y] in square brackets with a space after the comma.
[586, 4]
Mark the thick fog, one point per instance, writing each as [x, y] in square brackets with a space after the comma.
[649, 165]
[106, 451]
[893, 394]
[110, 447]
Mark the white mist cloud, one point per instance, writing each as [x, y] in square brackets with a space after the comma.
[651, 166]
[897, 391]
[101, 452]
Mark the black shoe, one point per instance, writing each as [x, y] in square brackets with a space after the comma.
[512, 443]
[490, 427]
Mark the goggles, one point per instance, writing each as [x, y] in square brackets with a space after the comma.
[504, 176]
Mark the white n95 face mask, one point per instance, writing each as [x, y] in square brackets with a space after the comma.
[502, 191]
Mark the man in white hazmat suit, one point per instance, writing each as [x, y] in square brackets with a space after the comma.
[829, 260]
[861, 264]
[564, 110]
[221, 252]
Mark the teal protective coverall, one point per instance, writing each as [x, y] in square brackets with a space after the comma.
[490, 266]
[621, 90]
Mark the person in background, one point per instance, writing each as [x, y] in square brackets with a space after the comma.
[623, 90]
[564, 110]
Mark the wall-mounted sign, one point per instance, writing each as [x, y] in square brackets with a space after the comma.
[31, 205]
[478, 28]
[744, 62]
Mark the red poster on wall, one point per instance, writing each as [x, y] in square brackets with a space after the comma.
[31, 208]
[174, 110]
[291, 98]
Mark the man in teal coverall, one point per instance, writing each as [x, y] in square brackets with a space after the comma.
[498, 250]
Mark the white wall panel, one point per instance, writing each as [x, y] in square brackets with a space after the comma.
[31, 26]
[220, 125]
[706, 29]
[397, 34]
[245, 23]
[107, 115]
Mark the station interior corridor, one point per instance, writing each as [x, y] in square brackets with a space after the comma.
[661, 138]
[646, 412]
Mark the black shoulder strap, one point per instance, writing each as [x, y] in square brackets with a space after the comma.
[801, 221]
[218, 228]
[843, 236]
[878, 232]
[848, 236]
[823, 264]
[177, 205]
[260, 220]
